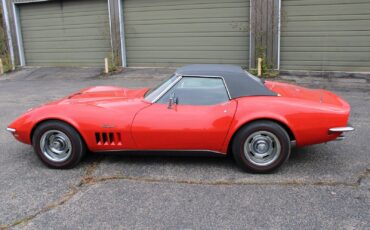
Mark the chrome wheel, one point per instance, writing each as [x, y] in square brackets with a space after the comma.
[262, 148]
[56, 146]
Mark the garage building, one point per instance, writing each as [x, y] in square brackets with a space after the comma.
[307, 35]
[65, 33]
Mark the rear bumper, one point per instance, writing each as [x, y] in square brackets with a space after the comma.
[341, 130]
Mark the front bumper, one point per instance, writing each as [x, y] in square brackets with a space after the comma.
[11, 130]
[341, 130]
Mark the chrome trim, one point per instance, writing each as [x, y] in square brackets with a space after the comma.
[158, 150]
[293, 143]
[262, 148]
[56, 146]
[341, 129]
[200, 76]
[227, 89]
[11, 130]
[167, 88]
[340, 138]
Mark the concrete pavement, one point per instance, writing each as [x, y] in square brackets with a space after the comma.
[323, 186]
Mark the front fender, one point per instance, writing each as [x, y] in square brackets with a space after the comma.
[86, 119]
[26, 123]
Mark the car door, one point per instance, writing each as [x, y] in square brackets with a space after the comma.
[195, 114]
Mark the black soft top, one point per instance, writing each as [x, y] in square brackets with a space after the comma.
[239, 82]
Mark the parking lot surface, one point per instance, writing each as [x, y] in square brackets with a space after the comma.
[322, 186]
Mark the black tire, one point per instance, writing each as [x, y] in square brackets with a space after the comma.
[261, 130]
[73, 155]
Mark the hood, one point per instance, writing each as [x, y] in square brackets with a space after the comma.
[102, 95]
[93, 106]
[99, 92]
[298, 92]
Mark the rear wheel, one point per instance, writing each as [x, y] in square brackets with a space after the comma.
[58, 145]
[261, 147]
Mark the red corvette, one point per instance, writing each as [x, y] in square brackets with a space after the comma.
[200, 108]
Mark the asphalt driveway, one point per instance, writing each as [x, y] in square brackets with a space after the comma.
[322, 186]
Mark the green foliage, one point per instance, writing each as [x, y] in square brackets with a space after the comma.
[267, 69]
[7, 63]
[113, 61]
[253, 71]
[112, 66]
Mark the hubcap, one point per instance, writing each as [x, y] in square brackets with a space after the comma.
[262, 148]
[55, 145]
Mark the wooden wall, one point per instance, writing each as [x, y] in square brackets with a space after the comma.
[264, 32]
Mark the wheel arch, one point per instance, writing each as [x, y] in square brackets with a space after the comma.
[282, 124]
[74, 126]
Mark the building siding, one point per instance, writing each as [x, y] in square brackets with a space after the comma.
[325, 35]
[175, 32]
[316, 35]
[65, 33]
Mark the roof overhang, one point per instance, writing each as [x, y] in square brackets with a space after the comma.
[29, 1]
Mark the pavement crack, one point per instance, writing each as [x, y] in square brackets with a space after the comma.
[66, 197]
[96, 180]
[88, 179]
[333, 183]
[363, 176]
[89, 171]
[87, 176]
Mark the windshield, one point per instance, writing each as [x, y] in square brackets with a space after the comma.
[152, 94]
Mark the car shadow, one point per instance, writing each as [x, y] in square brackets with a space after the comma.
[147, 163]
[167, 162]
[146, 158]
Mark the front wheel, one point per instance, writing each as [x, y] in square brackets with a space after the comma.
[58, 145]
[261, 147]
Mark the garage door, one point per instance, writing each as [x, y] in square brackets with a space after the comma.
[178, 32]
[65, 33]
[325, 35]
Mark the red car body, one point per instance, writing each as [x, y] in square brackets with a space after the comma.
[114, 118]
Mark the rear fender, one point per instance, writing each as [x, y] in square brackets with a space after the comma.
[308, 121]
[241, 121]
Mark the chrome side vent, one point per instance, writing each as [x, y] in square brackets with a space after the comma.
[111, 138]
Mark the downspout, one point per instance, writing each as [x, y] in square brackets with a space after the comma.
[279, 34]
[8, 33]
[122, 34]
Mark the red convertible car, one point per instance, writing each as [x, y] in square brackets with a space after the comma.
[200, 108]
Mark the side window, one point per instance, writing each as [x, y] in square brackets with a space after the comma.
[197, 91]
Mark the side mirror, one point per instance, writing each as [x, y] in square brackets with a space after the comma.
[172, 101]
